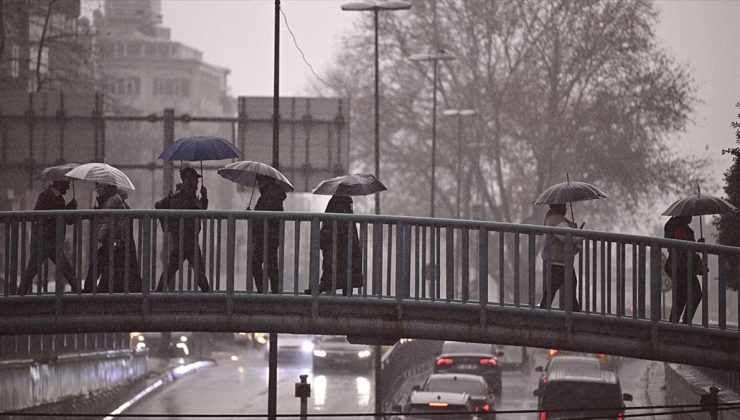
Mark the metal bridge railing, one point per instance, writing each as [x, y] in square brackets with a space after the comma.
[469, 262]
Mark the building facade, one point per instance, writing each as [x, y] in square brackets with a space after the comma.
[146, 70]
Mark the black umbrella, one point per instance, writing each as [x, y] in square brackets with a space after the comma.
[355, 184]
[698, 205]
[568, 192]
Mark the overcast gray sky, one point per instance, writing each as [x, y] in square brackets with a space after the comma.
[238, 34]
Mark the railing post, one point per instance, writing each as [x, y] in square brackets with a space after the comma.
[721, 290]
[655, 279]
[146, 253]
[450, 264]
[483, 266]
[641, 281]
[567, 290]
[60, 255]
[313, 277]
[465, 265]
[230, 253]
[377, 259]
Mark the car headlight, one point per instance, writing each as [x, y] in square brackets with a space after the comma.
[319, 353]
[307, 346]
[363, 354]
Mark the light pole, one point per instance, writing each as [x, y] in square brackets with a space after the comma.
[459, 113]
[440, 55]
[376, 7]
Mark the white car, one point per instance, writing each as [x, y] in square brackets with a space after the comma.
[292, 346]
[334, 351]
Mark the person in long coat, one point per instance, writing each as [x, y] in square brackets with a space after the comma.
[271, 198]
[553, 256]
[43, 237]
[185, 198]
[339, 266]
[678, 227]
[109, 235]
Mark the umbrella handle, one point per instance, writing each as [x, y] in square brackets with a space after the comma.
[573, 218]
[249, 206]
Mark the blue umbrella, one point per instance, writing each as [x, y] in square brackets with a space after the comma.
[199, 148]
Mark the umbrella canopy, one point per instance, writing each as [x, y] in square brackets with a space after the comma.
[568, 192]
[698, 205]
[101, 173]
[57, 173]
[355, 184]
[200, 148]
[245, 172]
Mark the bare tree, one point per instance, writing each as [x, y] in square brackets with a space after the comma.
[53, 48]
[560, 87]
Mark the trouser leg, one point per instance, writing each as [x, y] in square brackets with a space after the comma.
[166, 279]
[272, 268]
[257, 260]
[681, 292]
[696, 297]
[552, 283]
[195, 259]
[35, 260]
[62, 263]
[576, 304]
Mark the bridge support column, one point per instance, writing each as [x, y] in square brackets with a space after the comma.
[272, 378]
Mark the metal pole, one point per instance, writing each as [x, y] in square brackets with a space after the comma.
[376, 351]
[276, 93]
[272, 378]
[272, 368]
[377, 113]
[459, 160]
[434, 135]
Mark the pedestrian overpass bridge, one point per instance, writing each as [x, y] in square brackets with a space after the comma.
[424, 278]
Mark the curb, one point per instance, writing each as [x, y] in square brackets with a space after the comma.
[166, 378]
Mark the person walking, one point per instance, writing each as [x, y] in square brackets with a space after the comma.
[553, 256]
[109, 235]
[678, 227]
[271, 198]
[185, 198]
[43, 237]
[339, 204]
[133, 256]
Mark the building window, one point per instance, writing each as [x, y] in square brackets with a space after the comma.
[171, 87]
[125, 86]
[15, 61]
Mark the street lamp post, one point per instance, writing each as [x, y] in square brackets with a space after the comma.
[376, 7]
[440, 55]
[459, 113]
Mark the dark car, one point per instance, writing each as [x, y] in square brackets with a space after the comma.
[473, 385]
[424, 405]
[565, 363]
[472, 358]
[580, 391]
[334, 352]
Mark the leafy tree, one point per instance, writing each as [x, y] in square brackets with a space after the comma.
[561, 87]
[728, 224]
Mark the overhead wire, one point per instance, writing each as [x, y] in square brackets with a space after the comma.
[300, 51]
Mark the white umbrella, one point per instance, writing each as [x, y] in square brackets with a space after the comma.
[102, 173]
[57, 173]
[245, 172]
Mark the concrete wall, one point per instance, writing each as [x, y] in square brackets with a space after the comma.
[29, 383]
[685, 385]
